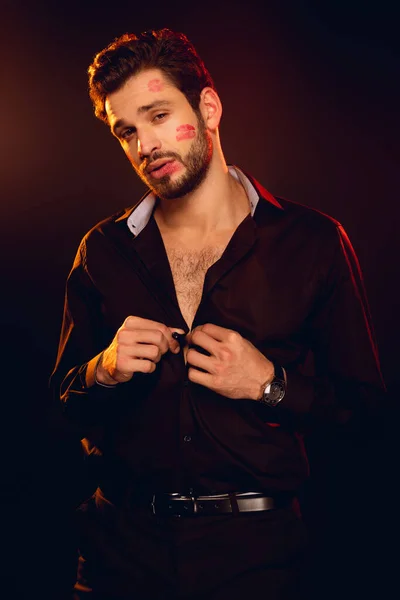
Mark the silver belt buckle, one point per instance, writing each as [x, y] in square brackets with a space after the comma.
[195, 505]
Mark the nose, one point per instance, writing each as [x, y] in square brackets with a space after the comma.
[147, 143]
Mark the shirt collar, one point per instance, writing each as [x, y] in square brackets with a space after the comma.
[138, 217]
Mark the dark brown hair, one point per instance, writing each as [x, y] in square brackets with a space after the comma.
[129, 54]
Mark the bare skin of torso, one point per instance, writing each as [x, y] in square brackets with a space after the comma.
[189, 267]
[189, 264]
[190, 255]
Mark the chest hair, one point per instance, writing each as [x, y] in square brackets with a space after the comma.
[189, 268]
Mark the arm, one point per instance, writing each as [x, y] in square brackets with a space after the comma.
[83, 337]
[346, 383]
[92, 360]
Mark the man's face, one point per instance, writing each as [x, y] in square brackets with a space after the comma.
[164, 138]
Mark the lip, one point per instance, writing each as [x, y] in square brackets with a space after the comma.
[157, 164]
[166, 168]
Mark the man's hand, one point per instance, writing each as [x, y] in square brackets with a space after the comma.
[136, 348]
[235, 368]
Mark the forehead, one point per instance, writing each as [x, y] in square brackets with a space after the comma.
[139, 91]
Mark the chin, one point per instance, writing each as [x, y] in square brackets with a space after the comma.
[169, 194]
[176, 192]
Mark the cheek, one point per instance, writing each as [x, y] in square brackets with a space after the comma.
[185, 132]
[131, 154]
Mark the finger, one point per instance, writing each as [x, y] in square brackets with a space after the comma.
[221, 334]
[204, 340]
[147, 351]
[143, 366]
[201, 378]
[180, 331]
[130, 338]
[196, 359]
[178, 339]
[170, 342]
[127, 367]
[133, 322]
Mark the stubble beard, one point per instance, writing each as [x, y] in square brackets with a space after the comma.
[196, 163]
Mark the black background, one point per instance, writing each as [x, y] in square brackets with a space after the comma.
[311, 99]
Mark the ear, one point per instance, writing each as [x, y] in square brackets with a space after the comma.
[211, 108]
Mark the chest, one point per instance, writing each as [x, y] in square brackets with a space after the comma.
[267, 296]
[189, 267]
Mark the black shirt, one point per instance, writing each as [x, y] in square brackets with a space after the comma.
[290, 283]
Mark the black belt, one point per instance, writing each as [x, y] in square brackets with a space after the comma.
[176, 505]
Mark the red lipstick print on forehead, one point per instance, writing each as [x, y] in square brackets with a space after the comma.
[185, 132]
[155, 85]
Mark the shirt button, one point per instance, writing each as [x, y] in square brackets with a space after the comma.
[187, 438]
[186, 383]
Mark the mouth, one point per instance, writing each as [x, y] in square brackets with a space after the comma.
[157, 164]
[162, 167]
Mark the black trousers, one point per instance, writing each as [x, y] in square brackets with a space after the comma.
[137, 555]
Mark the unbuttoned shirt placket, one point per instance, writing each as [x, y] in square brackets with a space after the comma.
[155, 261]
[240, 244]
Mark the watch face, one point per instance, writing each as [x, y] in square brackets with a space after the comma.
[274, 393]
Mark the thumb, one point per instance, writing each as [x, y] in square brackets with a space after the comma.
[177, 330]
[178, 336]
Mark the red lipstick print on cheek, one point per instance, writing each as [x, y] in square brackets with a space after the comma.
[185, 132]
[155, 85]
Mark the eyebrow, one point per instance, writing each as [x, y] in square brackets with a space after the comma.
[141, 110]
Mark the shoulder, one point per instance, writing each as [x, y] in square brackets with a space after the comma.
[291, 215]
[320, 229]
[309, 218]
[108, 232]
[108, 228]
[306, 231]
[323, 234]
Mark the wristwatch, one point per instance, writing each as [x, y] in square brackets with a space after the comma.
[274, 391]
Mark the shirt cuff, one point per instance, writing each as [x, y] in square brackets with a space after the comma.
[90, 379]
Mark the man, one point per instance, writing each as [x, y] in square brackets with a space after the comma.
[189, 321]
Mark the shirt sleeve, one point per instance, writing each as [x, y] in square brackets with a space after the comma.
[347, 385]
[83, 336]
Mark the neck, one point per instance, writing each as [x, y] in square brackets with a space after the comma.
[218, 204]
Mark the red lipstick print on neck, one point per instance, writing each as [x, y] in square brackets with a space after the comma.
[185, 132]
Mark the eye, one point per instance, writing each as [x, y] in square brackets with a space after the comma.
[160, 116]
[127, 133]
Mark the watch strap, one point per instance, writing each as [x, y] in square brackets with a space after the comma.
[279, 372]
